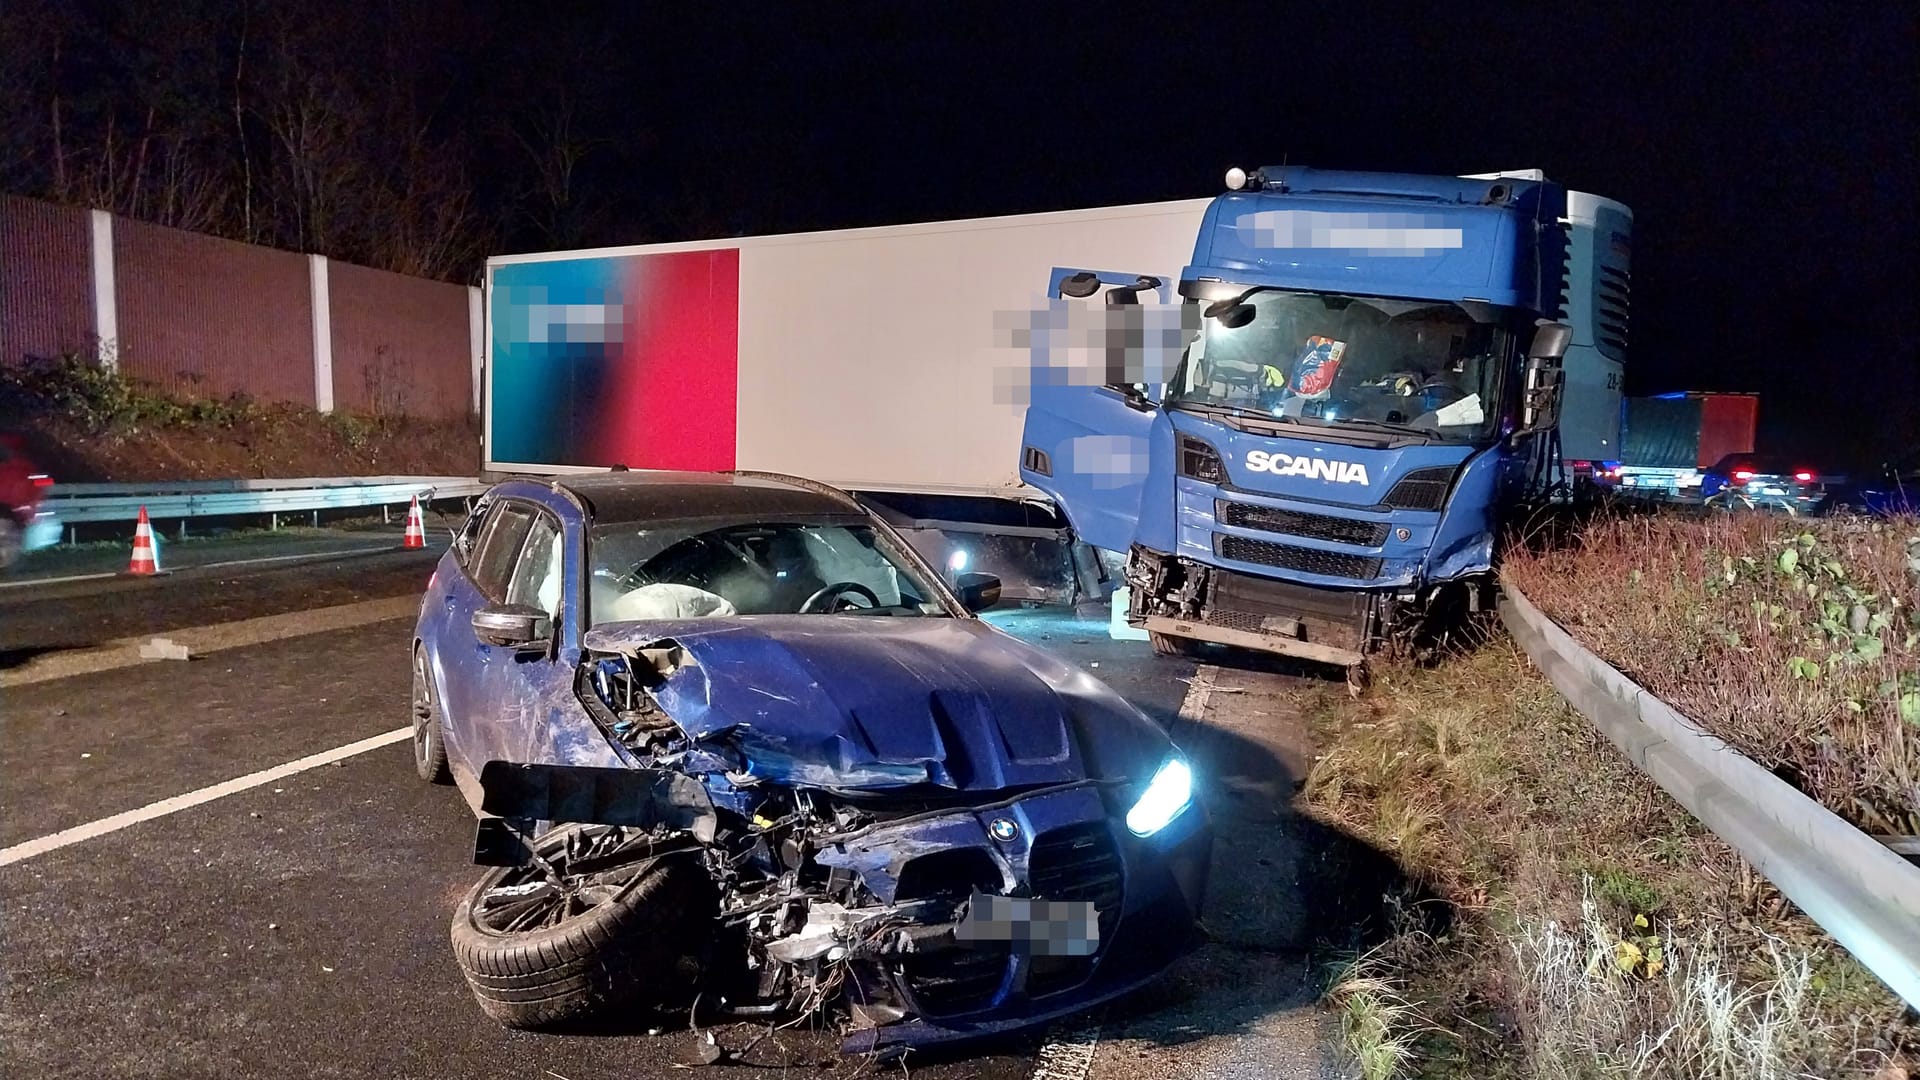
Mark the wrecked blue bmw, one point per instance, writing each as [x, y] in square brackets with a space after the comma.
[731, 740]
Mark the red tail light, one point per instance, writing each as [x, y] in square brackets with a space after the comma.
[41, 480]
[1741, 476]
[1804, 476]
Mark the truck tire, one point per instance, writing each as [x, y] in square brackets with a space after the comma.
[429, 735]
[612, 942]
[1169, 644]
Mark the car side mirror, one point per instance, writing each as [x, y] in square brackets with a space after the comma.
[977, 591]
[520, 627]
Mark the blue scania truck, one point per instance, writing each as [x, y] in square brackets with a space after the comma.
[1374, 372]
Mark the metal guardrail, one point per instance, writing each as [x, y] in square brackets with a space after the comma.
[1860, 891]
[182, 499]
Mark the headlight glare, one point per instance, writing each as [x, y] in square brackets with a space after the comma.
[1168, 794]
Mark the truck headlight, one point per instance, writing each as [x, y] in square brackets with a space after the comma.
[1168, 794]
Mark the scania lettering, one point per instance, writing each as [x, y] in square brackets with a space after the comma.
[1372, 372]
[1340, 472]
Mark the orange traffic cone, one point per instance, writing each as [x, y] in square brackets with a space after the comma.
[416, 527]
[146, 554]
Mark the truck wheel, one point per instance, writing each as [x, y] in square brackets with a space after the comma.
[602, 935]
[429, 736]
[1169, 644]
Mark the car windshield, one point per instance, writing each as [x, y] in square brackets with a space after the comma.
[650, 570]
[1359, 361]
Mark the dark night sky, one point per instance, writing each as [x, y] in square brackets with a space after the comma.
[1768, 151]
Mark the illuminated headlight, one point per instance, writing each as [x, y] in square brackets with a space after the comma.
[1167, 796]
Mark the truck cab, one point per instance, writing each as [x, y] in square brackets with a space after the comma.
[1370, 371]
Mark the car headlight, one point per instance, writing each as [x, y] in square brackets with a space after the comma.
[1168, 794]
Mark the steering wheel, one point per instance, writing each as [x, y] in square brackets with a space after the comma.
[824, 601]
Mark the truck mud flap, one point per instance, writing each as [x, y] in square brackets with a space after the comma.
[1247, 639]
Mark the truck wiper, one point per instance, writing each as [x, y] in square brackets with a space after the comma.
[1232, 410]
[1387, 425]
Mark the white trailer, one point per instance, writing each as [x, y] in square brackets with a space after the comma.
[863, 357]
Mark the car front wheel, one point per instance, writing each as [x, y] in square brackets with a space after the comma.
[604, 927]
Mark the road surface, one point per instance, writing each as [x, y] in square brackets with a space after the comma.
[298, 926]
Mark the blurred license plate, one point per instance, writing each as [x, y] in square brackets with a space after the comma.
[1039, 927]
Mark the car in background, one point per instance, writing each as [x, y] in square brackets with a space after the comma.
[731, 739]
[1763, 482]
[26, 525]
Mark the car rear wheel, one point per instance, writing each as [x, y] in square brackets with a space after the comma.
[429, 736]
[604, 928]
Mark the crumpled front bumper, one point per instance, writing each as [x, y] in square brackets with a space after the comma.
[1153, 924]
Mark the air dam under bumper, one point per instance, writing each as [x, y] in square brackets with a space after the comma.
[1184, 598]
[1162, 886]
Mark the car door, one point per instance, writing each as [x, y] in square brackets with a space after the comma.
[532, 687]
[1084, 441]
[470, 707]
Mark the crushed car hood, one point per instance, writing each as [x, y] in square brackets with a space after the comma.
[868, 702]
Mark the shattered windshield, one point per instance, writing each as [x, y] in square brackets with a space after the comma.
[644, 570]
[1430, 366]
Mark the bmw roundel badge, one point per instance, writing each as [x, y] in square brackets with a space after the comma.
[1003, 829]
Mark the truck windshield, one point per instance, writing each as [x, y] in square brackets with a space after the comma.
[1424, 367]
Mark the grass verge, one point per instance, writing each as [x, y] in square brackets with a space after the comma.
[1796, 641]
[1595, 929]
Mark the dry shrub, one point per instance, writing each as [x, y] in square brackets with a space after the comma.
[1597, 929]
[1796, 641]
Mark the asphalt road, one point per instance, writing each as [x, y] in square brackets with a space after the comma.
[300, 928]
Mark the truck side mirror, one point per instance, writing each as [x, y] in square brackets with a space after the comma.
[1550, 341]
[1540, 400]
[1080, 285]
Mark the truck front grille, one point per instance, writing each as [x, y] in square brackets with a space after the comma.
[1296, 523]
[1421, 489]
[1289, 557]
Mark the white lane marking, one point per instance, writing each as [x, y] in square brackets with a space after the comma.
[313, 555]
[1067, 1054]
[56, 580]
[1193, 708]
[55, 841]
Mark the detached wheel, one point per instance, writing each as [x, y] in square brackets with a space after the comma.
[429, 736]
[605, 932]
[1169, 644]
